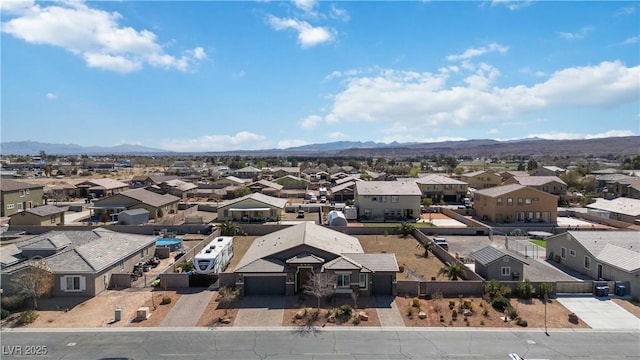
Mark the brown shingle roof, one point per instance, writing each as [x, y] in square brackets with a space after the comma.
[12, 185]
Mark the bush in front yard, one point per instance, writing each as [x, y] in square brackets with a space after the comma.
[165, 300]
[4, 314]
[14, 302]
[500, 303]
[27, 317]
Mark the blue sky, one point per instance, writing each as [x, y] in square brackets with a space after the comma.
[216, 76]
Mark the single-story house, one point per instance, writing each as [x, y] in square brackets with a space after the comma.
[248, 172]
[231, 181]
[548, 171]
[133, 217]
[178, 187]
[266, 187]
[255, 207]
[621, 209]
[101, 187]
[41, 216]
[82, 262]
[515, 203]
[387, 200]
[492, 263]
[607, 255]
[280, 263]
[150, 180]
[158, 205]
[344, 191]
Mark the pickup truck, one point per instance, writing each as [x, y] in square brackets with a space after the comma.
[442, 242]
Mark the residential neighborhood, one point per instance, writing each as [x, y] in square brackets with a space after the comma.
[104, 235]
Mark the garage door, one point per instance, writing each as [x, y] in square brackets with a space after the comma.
[381, 285]
[264, 285]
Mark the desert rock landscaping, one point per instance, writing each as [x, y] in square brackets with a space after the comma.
[338, 311]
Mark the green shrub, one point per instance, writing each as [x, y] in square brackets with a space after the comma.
[3, 314]
[522, 322]
[505, 291]
[14, 302]
[346, 310]
[500, 303]
[356, 320]
[27, 317]
[416, 303]
[165, 300]
[409, 311]
[511, 312]
[525, 290]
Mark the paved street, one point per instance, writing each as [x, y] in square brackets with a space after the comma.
[305, 343]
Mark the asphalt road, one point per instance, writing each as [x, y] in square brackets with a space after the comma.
[305, 343]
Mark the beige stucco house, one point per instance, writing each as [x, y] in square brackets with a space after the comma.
[440, 188]
[481, 179]
[16, 196]
[158, 205]
[515, 203]
[255, 207]
[387, 200]
[45, 215]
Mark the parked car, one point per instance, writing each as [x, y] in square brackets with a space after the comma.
[323, 199]
[313, 199]
[300, 214]
[442, 242]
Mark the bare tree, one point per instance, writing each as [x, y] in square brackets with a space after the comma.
[227, 296]
[319, 285]
[35, 281]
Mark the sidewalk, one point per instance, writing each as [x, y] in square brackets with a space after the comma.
[188, 309]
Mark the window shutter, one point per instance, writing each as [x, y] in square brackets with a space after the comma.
[83, 283]
[63, 283]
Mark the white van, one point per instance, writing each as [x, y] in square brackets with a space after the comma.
[313, 199]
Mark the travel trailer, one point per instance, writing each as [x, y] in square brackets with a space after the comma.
[214, 257]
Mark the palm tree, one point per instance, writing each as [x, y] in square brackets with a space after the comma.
[230, 228]
[405, 229]
[427, 245]
[452, 271]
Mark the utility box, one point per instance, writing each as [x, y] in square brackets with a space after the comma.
[142, 313]
[602, 291]
[118, 314]
[621, 290]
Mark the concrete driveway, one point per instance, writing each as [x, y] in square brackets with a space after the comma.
[600, 313]
[260, 311]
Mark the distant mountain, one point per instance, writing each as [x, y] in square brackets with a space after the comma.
[34, 148]
[343, 145]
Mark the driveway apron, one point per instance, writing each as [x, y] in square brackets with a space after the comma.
[260, 311]
[601, 313]
[188, 309]
[388, 312]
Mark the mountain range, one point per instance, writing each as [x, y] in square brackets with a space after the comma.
[629, 145]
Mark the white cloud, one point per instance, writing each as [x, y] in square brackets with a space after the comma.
[512, 5]
[9, 6]
[283, 144]
[238, 75]
[308, 36]
[95, 35]
[578, 136]
[51, 96]
[629, 10]
[336, 135]
[404, 98]
[242, 140]
[340, 14]
[471, 53]
[493, 131]
[310, 122]
[576, 35]
[305, 5]
[631, 40]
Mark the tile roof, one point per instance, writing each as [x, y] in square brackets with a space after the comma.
[489, 254]
[387, 188]
[376, 262]
[10, 255]
[267, 183]
[105, 183]
[620, 205]
[181, 185]
[342, 186]
[343, 263]
[537, 180]
[112, 247]
[500, 190]
[270, 265]
[438, 179]
[476, 173]
[46, 210]
[149, 197]
[617, 248]
[266, 199]
[305, 233]
[13, 185]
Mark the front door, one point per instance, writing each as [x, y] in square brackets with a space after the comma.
[303, 275]
[599, 271]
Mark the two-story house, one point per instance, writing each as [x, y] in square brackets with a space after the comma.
[441, 188]
[515, 203]
[387, 200]
[16, 196]
[481, 179]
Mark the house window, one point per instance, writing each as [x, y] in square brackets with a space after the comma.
[520, 201]
[395, 198]
[374, 199]
[505, 271]
[141, 253]
[587, 262]
[10, 206]
[343, 281]
[499, 201]
[19, 206]
[22, 192]
[572, 252]
[563, 253]
[53, 219]
[509, 201]
[363, 281]
[527, 201]
[73, 283]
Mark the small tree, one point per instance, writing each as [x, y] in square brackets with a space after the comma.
[452, 271]
[227, 296]
[35, 281]
[545, 290]
[405, 229]
[427, 245]
[230, 228]
[319, 285]
[524, 289]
